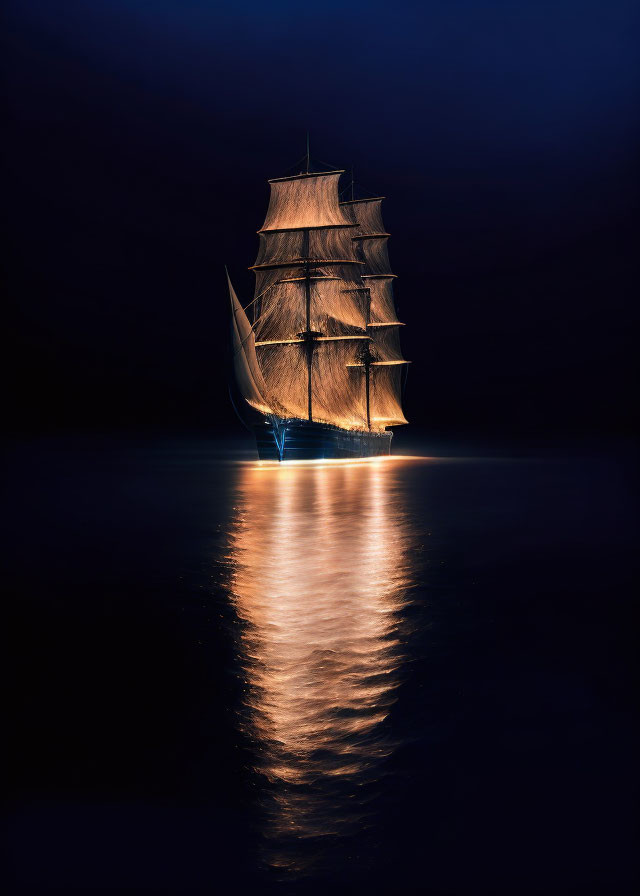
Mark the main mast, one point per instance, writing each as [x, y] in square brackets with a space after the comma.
[308, 335]
[303, 312]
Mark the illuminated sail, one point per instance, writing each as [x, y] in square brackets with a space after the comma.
[310, 311]
[248, 375]
[384, 366]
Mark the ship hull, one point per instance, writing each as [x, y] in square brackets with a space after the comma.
[304, 440]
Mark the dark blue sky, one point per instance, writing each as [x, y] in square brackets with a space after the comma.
[504, 134]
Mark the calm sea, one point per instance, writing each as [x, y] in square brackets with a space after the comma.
[410, 675]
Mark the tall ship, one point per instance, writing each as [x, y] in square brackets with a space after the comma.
[316, 353]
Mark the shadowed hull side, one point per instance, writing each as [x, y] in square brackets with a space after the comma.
[302, 440]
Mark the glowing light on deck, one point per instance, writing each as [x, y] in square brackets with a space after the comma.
[336, 461]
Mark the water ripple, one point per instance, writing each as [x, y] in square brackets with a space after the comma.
[320, 563]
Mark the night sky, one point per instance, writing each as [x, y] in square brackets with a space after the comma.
[141, 136]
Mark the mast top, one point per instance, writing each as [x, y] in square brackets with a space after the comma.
[277, 180]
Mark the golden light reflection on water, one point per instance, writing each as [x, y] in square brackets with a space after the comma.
[321, 564]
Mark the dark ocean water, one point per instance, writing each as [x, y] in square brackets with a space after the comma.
[407, 675]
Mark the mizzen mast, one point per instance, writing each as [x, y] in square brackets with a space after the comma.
[381, 360]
